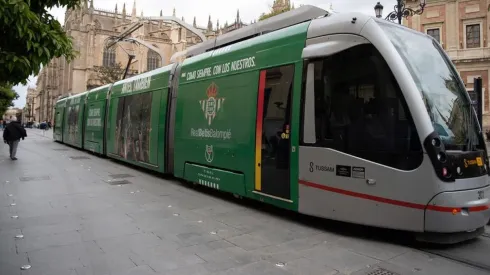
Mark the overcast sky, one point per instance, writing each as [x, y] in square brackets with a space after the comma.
[223, 10]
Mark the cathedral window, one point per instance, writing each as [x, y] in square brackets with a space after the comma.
[153, 60]
[109, 58]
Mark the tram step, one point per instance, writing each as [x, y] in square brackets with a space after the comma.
[92, 146]
[215, 178]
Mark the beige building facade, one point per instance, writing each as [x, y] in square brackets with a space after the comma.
[282, 5]
[29, 107]
[461, 26]
[91, 29]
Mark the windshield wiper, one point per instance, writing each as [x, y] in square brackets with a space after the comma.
[471, 127]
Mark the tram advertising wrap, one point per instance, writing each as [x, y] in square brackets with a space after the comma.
[338, 116]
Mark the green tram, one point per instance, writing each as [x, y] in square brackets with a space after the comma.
[340, 116]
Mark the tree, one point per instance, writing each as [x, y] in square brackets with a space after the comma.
[109, 74]
[274, 12]
[31, 37]
[7, 96]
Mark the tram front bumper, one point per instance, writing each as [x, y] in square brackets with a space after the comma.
[458, 211]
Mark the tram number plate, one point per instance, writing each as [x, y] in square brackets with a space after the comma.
[481, 195]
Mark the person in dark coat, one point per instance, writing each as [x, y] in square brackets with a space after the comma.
[12, 135]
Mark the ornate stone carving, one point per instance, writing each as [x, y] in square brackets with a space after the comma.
[97, 24]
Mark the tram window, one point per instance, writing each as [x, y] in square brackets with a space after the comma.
[360, 109]
[133, 127]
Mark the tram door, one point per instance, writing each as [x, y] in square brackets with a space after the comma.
[273, 132]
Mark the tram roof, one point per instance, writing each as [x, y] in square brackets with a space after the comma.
[351, 22]
[302, 14]
[95, 93]
[161, 70]
[62, 99]
[100, 88]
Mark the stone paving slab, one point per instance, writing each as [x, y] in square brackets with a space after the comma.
[73, 221]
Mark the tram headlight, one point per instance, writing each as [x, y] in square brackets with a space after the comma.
[458, 170]
[441, 156]
[443, 165]
[436, 142]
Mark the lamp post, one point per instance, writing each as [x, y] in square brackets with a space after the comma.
[378, 9]
[400, 11]
[31, 100]
[27, 110]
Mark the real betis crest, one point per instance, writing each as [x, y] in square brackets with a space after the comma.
[212, 104]
[209, 153]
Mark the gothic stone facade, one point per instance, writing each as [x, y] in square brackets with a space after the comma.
[90, 29]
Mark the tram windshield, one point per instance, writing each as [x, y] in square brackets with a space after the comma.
[444, 94]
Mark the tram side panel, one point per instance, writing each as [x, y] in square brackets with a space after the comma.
[215, 140]
[94, 120]
[136, 120]
[214, 130]
[58, 120]
[73, 123]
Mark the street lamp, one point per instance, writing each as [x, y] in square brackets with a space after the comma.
[399, 11]
[378, 9]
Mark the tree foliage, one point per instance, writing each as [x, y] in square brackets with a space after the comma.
[109, 74]
[273, 12]
[31, 37]
[7, 96]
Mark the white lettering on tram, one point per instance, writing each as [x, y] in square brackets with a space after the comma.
[232, 66]
[75, 100]
[136, 85]
[94, 119]
[94, 122]
[94, 112]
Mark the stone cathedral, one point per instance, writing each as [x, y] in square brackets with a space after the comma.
[90, 29]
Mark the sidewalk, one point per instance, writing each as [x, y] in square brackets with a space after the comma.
[73, 216]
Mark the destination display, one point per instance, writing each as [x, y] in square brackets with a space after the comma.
[136, 85]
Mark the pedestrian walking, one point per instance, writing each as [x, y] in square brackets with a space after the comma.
[12, 135]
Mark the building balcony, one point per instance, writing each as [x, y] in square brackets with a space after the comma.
[469, 54]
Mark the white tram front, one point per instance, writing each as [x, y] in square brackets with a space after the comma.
[389, 137]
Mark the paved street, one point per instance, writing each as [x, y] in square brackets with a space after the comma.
[64, 211]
